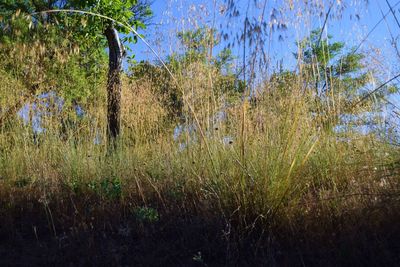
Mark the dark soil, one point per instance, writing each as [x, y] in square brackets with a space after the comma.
[90, 233]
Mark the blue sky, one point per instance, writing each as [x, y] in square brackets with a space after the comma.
[356, 20]
[175, 15]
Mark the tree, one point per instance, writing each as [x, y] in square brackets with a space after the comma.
[195, 57]
[337, 77]
[89, 33]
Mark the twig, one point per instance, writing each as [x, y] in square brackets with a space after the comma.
[375, 90]
[373, 29]
[326, 20]
[394, 14]
[131, 29]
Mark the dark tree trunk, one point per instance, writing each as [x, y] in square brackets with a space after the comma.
[114, 83]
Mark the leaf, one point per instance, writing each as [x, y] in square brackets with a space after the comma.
[140, 24]
[84, 22]
[393, 89]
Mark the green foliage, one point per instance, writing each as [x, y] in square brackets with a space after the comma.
[337, 78]
[72, 46]
[197, 42]
[327, 65]
[197, 46]
[282, 82]
[265, 171]
[111, 188]
[21, 183]
[195, 58]
[162, 84]
[107, 188]
[122, 11]
[146, 215]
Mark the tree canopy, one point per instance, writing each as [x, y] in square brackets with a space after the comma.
[338, 77]
[27, 22]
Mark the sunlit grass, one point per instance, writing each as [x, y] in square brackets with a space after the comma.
[277, 157]
[273, 165]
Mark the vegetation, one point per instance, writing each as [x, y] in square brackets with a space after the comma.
[83, 32]
[209, 169]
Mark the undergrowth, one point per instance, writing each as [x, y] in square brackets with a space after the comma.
[205, 172]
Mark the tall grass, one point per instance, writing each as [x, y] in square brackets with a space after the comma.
[267, 163]
[276, 156]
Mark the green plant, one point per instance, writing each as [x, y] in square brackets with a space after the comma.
[258, 178]
[111, 188]
[146, 215]
[105, 19]
[337, 77]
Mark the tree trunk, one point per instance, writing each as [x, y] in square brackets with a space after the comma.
[114, 83]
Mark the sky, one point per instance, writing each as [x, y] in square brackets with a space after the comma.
[357, 20]
[350, 21]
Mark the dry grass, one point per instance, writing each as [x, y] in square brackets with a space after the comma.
[264, 185]
[280, 176]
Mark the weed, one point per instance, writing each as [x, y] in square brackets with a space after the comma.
[146, 215]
